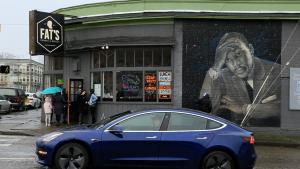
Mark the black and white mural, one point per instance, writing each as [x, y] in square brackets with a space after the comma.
[231, 68]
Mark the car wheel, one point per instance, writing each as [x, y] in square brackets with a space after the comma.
[218, 160]
[71, 155]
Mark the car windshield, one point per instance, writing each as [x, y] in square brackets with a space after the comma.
[8, 92]
[109, 119]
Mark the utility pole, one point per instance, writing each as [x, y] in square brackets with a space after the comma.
[30, 75]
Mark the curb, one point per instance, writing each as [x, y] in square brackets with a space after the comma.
[15, 133]
[277, 144]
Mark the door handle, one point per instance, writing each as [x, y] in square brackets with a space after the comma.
[94, 140]
[201, 138]
[151, 137]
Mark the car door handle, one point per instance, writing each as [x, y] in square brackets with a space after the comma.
[94, 140]
[151, 137]
[201, 138]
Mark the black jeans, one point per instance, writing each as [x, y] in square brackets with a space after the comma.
[93, 113]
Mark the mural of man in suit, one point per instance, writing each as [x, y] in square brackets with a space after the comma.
[239, 83]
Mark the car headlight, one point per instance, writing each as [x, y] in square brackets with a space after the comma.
[51, 136]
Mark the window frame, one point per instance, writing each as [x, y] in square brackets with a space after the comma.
[223, 125]
[114, 123]
[165, 122]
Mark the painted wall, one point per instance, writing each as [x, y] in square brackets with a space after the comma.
[242, 77]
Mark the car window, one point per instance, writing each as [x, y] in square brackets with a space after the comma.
[2, 97]
[213, 124]
[144, 122]
[181, 121]
[105, 121]
[21, 92]
[8, 92]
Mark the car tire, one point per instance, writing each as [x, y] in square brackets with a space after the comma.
[218, 159]
[71, 155]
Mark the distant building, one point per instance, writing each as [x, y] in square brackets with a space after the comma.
[25, 74]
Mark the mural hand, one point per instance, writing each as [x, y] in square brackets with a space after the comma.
[230, 104]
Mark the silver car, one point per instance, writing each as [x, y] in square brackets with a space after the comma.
[32, 100]
[5, 105]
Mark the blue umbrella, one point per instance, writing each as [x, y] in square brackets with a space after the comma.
[51, 90]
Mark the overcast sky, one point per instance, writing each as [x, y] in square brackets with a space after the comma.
[14, 14]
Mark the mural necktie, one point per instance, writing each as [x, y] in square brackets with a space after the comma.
[249, 90]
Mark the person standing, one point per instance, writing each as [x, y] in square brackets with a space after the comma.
[48, 111]
[82, 105]
[92, 105]
[58, 104]
[65, 114]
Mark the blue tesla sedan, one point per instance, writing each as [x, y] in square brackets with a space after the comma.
[172, 138]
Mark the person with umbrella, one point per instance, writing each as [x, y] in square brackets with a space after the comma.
[58, 104]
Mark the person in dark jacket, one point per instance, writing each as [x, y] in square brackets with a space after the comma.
[82, 105]
[58, 104]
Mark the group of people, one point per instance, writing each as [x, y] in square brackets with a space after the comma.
[57, 105]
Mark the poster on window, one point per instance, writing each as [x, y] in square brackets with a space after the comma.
[97, 89]
[150, 86]
[164, 91]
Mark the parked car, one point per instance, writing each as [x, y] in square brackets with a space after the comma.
[32, 100]
[15, 96]
[175, 138]
[5, 105]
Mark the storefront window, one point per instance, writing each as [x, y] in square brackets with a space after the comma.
[148, 57]
[133, 84]
[120, 56]
[53, 80]
[139, 57]
[103, 85]
[150, 86]
[157, 57]
[58, 63]
[103, 58]
[129, 86]
[108, 86]
[166, 56]
[96, 85]
[130, 57]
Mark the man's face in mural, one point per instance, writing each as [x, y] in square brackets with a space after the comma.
[238, 59]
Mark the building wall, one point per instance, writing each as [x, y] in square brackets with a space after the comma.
[227, 95]
[259, 32]
[120, 31]
[290, 54]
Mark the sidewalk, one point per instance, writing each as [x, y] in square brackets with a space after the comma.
[28, 123]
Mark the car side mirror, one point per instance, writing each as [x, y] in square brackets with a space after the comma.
[116, 129]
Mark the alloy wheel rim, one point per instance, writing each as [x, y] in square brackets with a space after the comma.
[218, 161]
[71, 158]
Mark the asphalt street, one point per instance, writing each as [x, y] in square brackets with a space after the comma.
[19, 152]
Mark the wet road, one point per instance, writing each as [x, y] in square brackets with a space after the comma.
[19, 152]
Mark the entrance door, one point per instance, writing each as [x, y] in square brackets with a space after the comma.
[74, 87]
